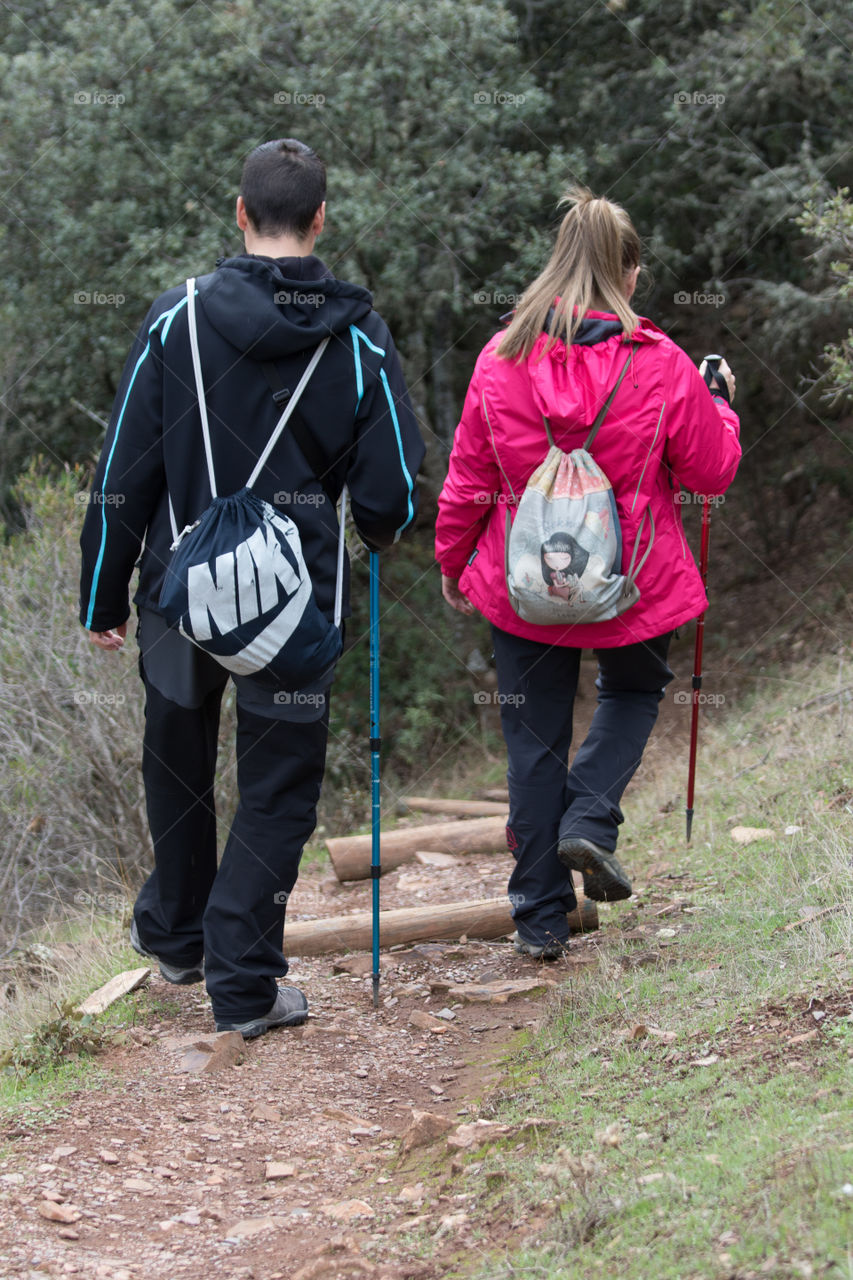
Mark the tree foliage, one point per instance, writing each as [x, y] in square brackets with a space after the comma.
[450, 128]
[832, 228]
[124, 134]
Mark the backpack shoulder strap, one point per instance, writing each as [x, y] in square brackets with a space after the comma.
[292, 402]
[199, 383]
[309, 447]
[316, 460]
[602, 414]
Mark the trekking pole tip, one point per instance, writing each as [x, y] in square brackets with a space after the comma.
[689, 816]
[376, 990]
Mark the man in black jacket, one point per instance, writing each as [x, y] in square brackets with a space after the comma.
[261, 315]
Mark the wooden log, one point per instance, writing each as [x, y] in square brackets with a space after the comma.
[497, 793]
[489, 918]
[350, 855]
[462, 808]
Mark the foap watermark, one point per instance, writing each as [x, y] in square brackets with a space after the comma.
[113, 902]
[498, 97]
[494, 298]
[682, 497]
[287, 298]
[698, 99]
[495, 499]
[98, 499]
[298, 698]
[83, 298]
[684, 698]
[94, 698]
[98, 98]
[516, 899]
[296, 98]
[696, 299]
[486, 697]
[306, 895]
[296, 498]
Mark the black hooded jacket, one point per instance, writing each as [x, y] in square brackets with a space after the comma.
[251, 310]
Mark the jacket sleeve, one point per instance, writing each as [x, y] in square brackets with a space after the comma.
[473, 479]
[129, 481]
[703, 446]
[388, 449]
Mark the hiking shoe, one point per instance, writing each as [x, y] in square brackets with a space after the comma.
[290, 1010]
[604, 879]
[179, 977]
[550, 950]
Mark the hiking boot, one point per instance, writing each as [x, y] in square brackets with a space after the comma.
[179, 977]
[550, 950]
[290, 1010]
[604, 879]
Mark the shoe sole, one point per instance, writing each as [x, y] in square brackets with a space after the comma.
[553, 951]
[534, 953]
[601, 880]
[177, 977]
[260, 1025]
[251, 1030]
[181, 977]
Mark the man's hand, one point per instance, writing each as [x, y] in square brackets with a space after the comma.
[454, 597]
[109, 640]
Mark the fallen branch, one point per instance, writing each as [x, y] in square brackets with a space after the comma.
[816, 915]
[825, 697]
[462, 808]
[488, 918]
[119, 986]
[350, 855]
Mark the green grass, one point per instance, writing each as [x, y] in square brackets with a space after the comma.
[715, 1144]
[46, 1051]
[36, 1100]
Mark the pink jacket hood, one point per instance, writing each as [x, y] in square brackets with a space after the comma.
[567, 390]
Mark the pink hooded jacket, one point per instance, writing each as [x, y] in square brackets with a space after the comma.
[663, 430]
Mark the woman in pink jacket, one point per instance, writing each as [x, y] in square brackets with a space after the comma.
[558, 360]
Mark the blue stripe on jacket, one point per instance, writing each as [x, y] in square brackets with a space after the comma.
[358, 334]
[168, 316]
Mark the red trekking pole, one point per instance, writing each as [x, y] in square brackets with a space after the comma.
[711, 374]
[697, 666]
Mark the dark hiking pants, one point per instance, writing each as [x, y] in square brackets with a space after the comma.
[549, 801]
[233, 915]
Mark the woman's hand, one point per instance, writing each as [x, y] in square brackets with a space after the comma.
[724, 372]
[454, 597]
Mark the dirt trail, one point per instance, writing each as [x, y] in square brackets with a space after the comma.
[167, 1170]
[164, 1174]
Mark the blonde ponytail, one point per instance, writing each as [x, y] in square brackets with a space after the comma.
[597, 246]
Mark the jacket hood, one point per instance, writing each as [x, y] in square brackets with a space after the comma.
[569, 386]
[270, 307]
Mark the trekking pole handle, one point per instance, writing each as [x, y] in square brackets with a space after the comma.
[716, 378]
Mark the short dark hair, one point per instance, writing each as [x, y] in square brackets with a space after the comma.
[283, 185]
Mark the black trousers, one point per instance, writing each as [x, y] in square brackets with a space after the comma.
[548, 801]
[234, 915]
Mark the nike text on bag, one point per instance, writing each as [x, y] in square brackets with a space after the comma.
[564, 548]
[237, 584]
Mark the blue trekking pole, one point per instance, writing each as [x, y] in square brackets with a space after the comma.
[375, 743]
